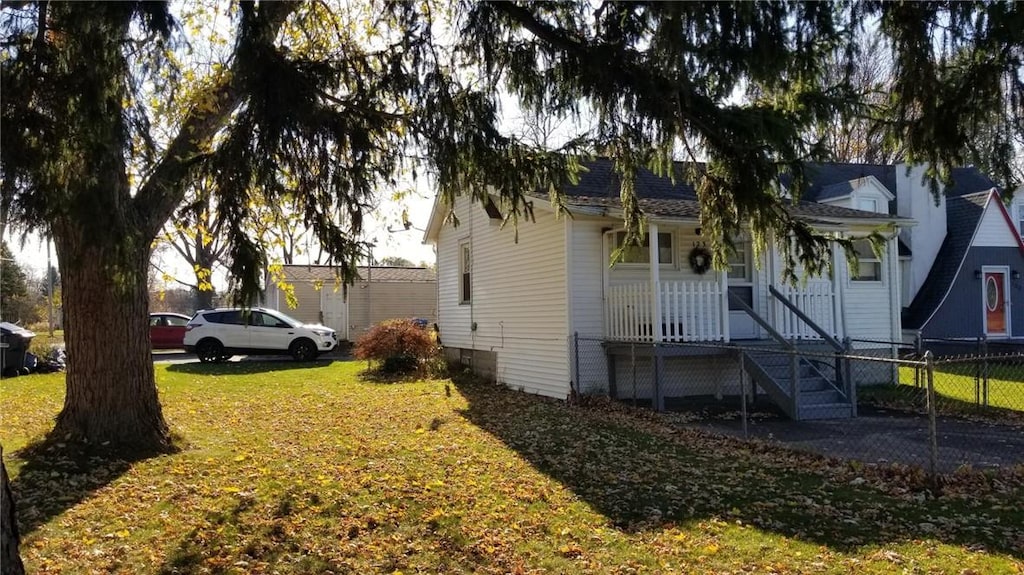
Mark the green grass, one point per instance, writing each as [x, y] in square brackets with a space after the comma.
[958, 388]
[294, 469]
[963, 382]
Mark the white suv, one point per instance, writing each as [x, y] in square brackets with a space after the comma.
[217, 334]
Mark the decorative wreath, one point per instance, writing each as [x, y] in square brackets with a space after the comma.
[700, 260]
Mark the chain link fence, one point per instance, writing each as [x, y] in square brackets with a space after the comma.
[875, 402]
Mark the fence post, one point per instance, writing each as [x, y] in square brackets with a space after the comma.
[576, 374]
[933, 434]
[848, 375]
[658, 370]
[794, 381]
[632, 364]
[918, 354]
[984, 370]
[977, 374]
[743, 393]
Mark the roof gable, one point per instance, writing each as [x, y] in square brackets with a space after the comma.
[992, 224]
[842, 190]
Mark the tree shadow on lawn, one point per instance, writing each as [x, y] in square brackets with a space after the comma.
[242, 367]
[56, 476]
[641, 473]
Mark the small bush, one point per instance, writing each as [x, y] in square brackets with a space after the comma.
[398, 346]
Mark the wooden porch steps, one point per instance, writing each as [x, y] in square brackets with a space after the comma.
[817, 396]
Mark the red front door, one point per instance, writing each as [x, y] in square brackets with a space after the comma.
[995, 303]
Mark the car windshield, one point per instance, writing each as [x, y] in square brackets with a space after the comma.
[289, 320]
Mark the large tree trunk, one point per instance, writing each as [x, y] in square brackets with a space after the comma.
[10, 559]
[111, 390]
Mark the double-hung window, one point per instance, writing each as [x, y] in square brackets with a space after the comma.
[869, 267]
[642, 254]
[465, 273]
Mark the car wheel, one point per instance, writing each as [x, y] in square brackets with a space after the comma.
[209, 351]
[304, 350]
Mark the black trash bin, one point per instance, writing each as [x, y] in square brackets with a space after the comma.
[14, 340]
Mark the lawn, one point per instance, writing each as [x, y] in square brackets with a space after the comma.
[959, 389]
[290, 469]
[963, 382]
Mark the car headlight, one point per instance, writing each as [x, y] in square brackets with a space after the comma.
[322, 332]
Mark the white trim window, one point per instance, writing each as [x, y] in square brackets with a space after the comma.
[739, 264]
[642, 254]
[465, 273]
[869, 267]
[1020, 217]
[868, 205]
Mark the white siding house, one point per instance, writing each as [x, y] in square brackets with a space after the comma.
[502, 305]
[515, 310]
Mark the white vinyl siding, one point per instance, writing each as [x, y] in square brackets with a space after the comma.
[518, 303]
[587, 300]
[869, 305]
[993, 231]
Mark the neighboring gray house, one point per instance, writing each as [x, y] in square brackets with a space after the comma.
[960, 264]
[974, 286]
[381, 293]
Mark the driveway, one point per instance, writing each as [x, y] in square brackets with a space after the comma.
[174, 356]
[880, 436]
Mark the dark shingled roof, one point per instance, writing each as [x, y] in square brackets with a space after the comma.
[963, 214]
[828, 181]
[658, 196]
[969, 181]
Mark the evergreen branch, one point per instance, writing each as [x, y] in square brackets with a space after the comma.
[163, 190]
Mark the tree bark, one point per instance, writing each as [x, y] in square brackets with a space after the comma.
[111, 390]
[10, 558]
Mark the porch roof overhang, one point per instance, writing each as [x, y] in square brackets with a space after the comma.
[687, 211]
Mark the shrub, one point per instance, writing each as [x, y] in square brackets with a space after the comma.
[398, 346]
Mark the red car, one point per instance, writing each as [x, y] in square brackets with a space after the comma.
[167, 330]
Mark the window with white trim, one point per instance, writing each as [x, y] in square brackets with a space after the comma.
[739, 263]
[642, 254]
[867, 205]
[869, 267]
[1020, 217]
[465, 273]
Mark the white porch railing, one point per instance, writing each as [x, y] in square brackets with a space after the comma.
[697, 311]
[815, 299]
[690, 311]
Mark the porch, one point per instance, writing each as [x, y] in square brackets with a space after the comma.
[695, 311]
[666, 291]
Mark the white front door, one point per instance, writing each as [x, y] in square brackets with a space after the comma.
[741, 284]
[335, 310]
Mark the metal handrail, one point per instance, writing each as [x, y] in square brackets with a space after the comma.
[761, 322]
[830, 339]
